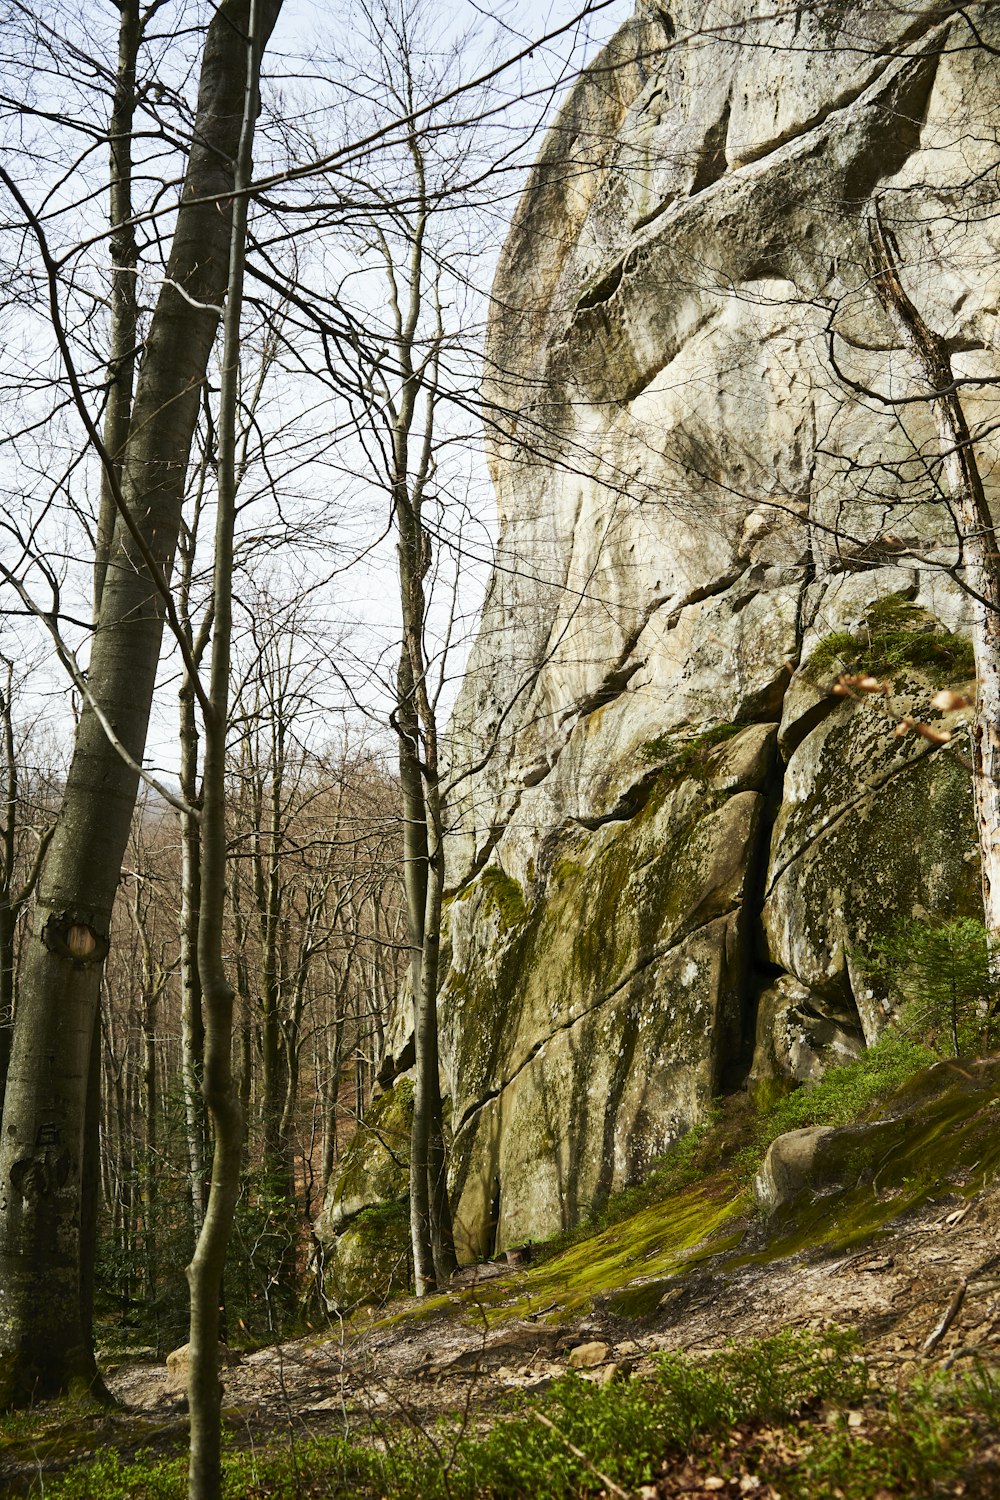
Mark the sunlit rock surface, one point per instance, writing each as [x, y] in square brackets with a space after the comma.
[658, 814]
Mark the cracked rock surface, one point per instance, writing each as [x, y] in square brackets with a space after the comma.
[659, 814]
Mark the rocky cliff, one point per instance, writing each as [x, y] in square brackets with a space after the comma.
[719, 488]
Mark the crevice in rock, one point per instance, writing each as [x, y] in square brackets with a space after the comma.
[712, 162]
[927, 31]
[603, 289]
[654, 213]
[907, 108]
[733, 1072]
[806, 723]
[629, 804]
[870, 790]
[613, 685]
[616, 680]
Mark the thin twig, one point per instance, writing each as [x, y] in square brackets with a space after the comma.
[614, 1488]
[951, 1313]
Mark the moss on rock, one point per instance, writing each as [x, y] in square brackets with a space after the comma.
[502, 894]
[375, 1167]
[897, 638]
[370, 1259]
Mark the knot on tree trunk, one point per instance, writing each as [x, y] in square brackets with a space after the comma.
[74, 940]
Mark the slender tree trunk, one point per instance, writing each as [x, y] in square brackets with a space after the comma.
[416, 882]
[442, 1232]
[90, 1188]
[44, 1345]
[124, 268]
[8, 864]
[192, 1024]
[8, 928]
[14, 893]
[964, 489]
[150, 1109]
[208, 1263]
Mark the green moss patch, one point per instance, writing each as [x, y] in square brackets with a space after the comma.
[376, 1163]
[371, 1258]
[682, 756]
[502, 894]
[652, 1244]
[940, 1135]
[897, 637]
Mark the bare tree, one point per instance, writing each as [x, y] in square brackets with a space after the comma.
[44, 1335]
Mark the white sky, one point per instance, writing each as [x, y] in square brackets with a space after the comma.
[348, 630]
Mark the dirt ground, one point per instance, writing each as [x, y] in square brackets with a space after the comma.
[946, 1258]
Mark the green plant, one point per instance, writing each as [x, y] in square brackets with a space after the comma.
[749, 1408]
[624, 1431]
[941, 972]
[687, 756]
[843, 1094]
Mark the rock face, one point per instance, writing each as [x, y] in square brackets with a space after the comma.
[669, 845]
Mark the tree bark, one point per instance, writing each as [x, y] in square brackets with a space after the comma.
[205, 1272]
[981, 561]
[124, 268]
[44, 1345]
[192, 1024]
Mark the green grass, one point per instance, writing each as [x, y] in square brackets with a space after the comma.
[843, 1095]
[754, 1408]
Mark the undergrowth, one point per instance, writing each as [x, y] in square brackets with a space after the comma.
[842, 1095]
[777, 1408]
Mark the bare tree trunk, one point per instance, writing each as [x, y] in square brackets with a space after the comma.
[124, 267]
[415, 878]
[150, 1107]
[44, 1345]
[980, 556]
[192, 1024]
[14, 893]
[208, 1263]
[442, 1232]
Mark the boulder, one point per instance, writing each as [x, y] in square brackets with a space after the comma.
[800, 1034]
[822, 1160]
[179, 1363]
[375, 1167]
[789, 1167]
[588, 1356]
[370, 1258]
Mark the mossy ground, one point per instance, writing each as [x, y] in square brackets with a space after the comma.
[940, 1135]
[777, 1409]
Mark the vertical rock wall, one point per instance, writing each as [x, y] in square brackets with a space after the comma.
[668, 842]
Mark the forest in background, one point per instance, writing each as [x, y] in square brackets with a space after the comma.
[212, 973]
